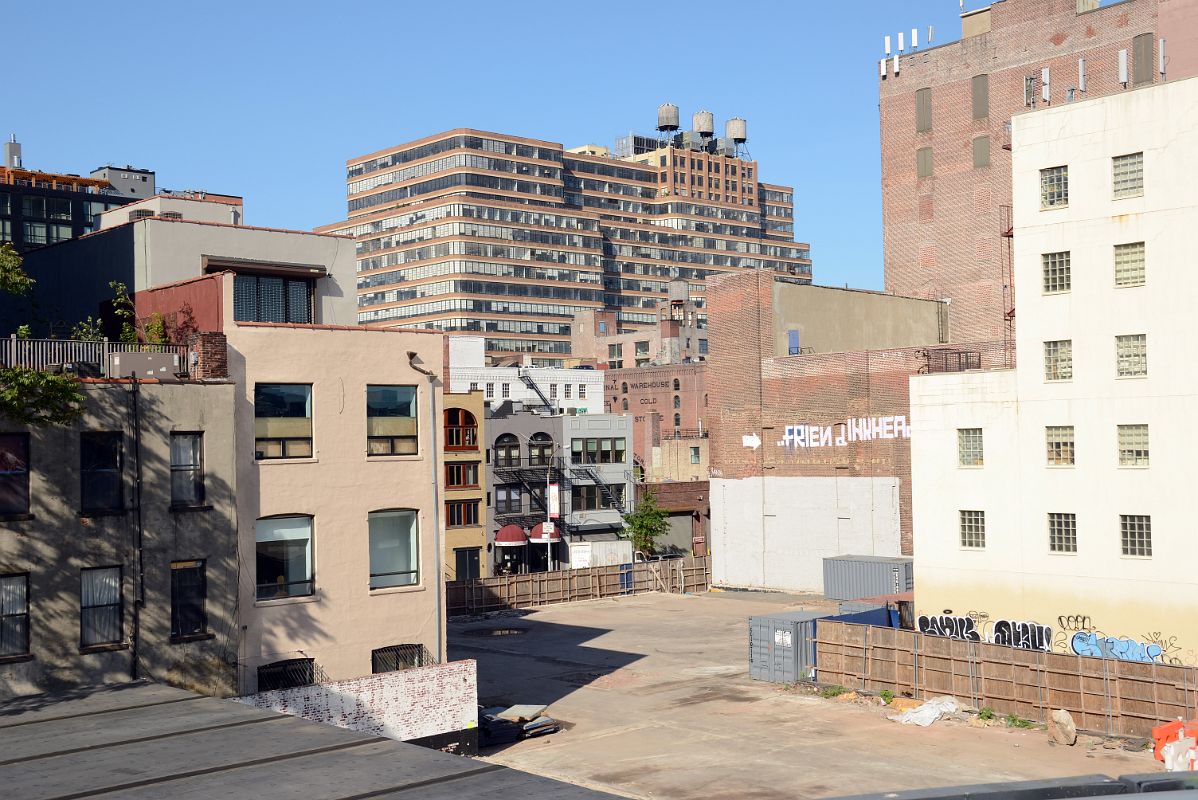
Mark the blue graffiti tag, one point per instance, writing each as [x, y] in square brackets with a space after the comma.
[1092, 644]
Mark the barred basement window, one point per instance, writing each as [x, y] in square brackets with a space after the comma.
[1127, 176]
[973, 529]
[1058, 360]
[969, 447]
[1061, 446]
[1131, 355]
[1062, 533]
[1129, 264]
[1135, 532]
[1133, 445]
[1054, 187]
[1057, 277]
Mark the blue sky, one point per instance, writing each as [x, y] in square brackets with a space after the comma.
[268, 100]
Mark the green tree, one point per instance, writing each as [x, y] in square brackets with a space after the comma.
[28, 396]
[648, 523]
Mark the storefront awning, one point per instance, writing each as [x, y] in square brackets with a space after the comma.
[539, 536]
[511, 536]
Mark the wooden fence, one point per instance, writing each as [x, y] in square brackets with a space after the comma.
[1103, 695]
[674, 576]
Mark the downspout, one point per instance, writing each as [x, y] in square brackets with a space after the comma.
[140, 585]
[440, 586]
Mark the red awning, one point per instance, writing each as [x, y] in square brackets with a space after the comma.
[538, 534]
[511, 536]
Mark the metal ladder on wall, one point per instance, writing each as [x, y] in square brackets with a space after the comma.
[527, 380]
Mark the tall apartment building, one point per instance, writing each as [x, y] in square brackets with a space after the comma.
[486, 233]
[1059, 493]
[945, 116]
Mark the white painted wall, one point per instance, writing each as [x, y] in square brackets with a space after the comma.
[550, 379]
[780, 540]
[1096, 592]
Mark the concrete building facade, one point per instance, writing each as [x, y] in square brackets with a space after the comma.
[1057, 493]
[810, 452]
[103, 581]
[945, 115]
[475, 232]
[568, 390]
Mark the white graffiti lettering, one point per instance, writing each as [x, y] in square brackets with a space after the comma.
[841, 434]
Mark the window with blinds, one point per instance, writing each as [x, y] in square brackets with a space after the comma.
[266, 298]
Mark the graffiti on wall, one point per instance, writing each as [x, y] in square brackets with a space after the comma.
[1075, 633]
[841, 434]
[977, 627]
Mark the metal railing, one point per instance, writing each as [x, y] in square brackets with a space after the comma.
[952, 360]
[87, 359]
[685, 433]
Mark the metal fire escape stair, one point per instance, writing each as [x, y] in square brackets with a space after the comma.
[527, 380]
[532, 478]
[592, 474]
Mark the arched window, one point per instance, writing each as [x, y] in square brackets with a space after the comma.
[624, 388]
[677, 384]
[677, 420]
[540, 449]
[677, 401]
[461, 430]
[625, 403]
[507, 451]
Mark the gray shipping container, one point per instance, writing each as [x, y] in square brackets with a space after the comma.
[782, 646]
[852, 577]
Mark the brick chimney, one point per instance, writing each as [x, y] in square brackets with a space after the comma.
[208, 355]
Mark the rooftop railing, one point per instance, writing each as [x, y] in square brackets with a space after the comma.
[87, 359]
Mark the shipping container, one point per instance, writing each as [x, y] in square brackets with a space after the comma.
[600, 554]
[853, 577]
[782, 646]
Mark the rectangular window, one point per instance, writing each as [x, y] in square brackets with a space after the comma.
[1062, 533]
[702, 347]
[589, 497]
[582, 391]
[400, 656]
[264, 298]
[282, 420]
[289, 674]
[58, 208]
[57, 233]
[394, 549]
[14, 614]
[981, 96]
[490, 393]
[694, 455]
[1136, 534]
[792, 343]
[100, 606]
[1133, 445]
[969, 447]
[284, 563]
[1058, 360]
[1059, 440]
[1143, 70]
[1054, 187]
[33, 206]
[1129, 264]
[567, 389]
[1131, 355]
[101, 483]
[1127, 175]
[35, 233]
[461, 475]
[553, 391]
[973, 529]
[923, 162]
[5, 203]
[189, 591]
[923, 110]
[981, 151]
[391, 428]
[467, 563]
[5, 230]
[507, 391]
[187, 469]
[507, 499]
[598, 451]
[1057, 277]
[473, 386]
[14, 473]
[461, 513]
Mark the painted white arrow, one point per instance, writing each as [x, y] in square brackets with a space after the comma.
[752, 440]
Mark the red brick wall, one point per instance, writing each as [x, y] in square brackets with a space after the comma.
[409, 704]
[209, 353]
[188, 306]
[755, 394]
[941, 234]
[651, 391]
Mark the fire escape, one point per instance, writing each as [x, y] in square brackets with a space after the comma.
[532, 476]
[1006, 229]
[526, 379]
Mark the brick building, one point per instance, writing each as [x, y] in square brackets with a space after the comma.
[667, 402]
[810, 449]
[945, 113]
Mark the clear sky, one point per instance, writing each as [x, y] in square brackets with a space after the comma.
[268, 100]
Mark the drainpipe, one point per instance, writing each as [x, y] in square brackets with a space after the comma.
[440, 587]
[140, 581]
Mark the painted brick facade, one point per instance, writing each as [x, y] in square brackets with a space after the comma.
[649, 399]
[942, 233]
[752, 393]
[404, 705]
